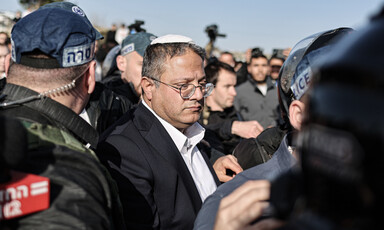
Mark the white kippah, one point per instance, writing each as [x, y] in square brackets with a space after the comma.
[172, 38]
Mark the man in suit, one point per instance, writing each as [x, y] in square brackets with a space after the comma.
[156, 152]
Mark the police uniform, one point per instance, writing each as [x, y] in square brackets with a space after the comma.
[56, 140]
[81, 193]
[281, 161]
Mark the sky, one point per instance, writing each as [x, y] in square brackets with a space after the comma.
[247, 24]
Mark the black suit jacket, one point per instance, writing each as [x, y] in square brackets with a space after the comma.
[156, 189]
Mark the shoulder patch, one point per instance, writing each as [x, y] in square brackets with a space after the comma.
[128, 49]
[78, 55]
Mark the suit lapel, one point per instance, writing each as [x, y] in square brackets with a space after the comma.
[155, 134]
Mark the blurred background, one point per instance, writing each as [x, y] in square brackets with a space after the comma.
[268, 24]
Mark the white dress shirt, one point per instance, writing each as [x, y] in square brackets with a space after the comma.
[186, 144]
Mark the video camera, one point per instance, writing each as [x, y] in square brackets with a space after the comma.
[278, 53]
[257, 51]
[213, 32]
[136, 27]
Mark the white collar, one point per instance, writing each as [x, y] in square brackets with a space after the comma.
[263, 88]
[194, 133]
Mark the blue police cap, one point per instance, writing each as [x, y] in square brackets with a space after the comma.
[69, 6]
[56, 32]
[137, 42]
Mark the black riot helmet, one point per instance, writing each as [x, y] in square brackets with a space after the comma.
[341, 144]
[295, 74]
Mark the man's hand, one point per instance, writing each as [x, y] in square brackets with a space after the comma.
[244, 205]
[226, 162]
[246, 129]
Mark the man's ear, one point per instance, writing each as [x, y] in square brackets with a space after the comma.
[209, 101]
[90, 77]
[248, 68]
[7, 62]
[213, 92]
[147, 86]
[120, 62]
[296, 112]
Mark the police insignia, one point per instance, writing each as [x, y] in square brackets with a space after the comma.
[77, 10]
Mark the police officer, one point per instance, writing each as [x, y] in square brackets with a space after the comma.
[120, 90]
[50, 78]
[341, 143]
[295, 72]
[294, 82]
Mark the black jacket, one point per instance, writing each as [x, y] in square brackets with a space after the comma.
[47, 111]
[156, 187]
[3, 81]
[105, 107]
[220, 122]
[109, 101]
[81, 194]
[254, 151]
[117, 85]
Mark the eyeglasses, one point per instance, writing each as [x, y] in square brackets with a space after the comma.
[187, 90]
[276, 66]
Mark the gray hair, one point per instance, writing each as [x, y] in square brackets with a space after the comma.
[156, 55]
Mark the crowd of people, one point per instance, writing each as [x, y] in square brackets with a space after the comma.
[150, 133]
